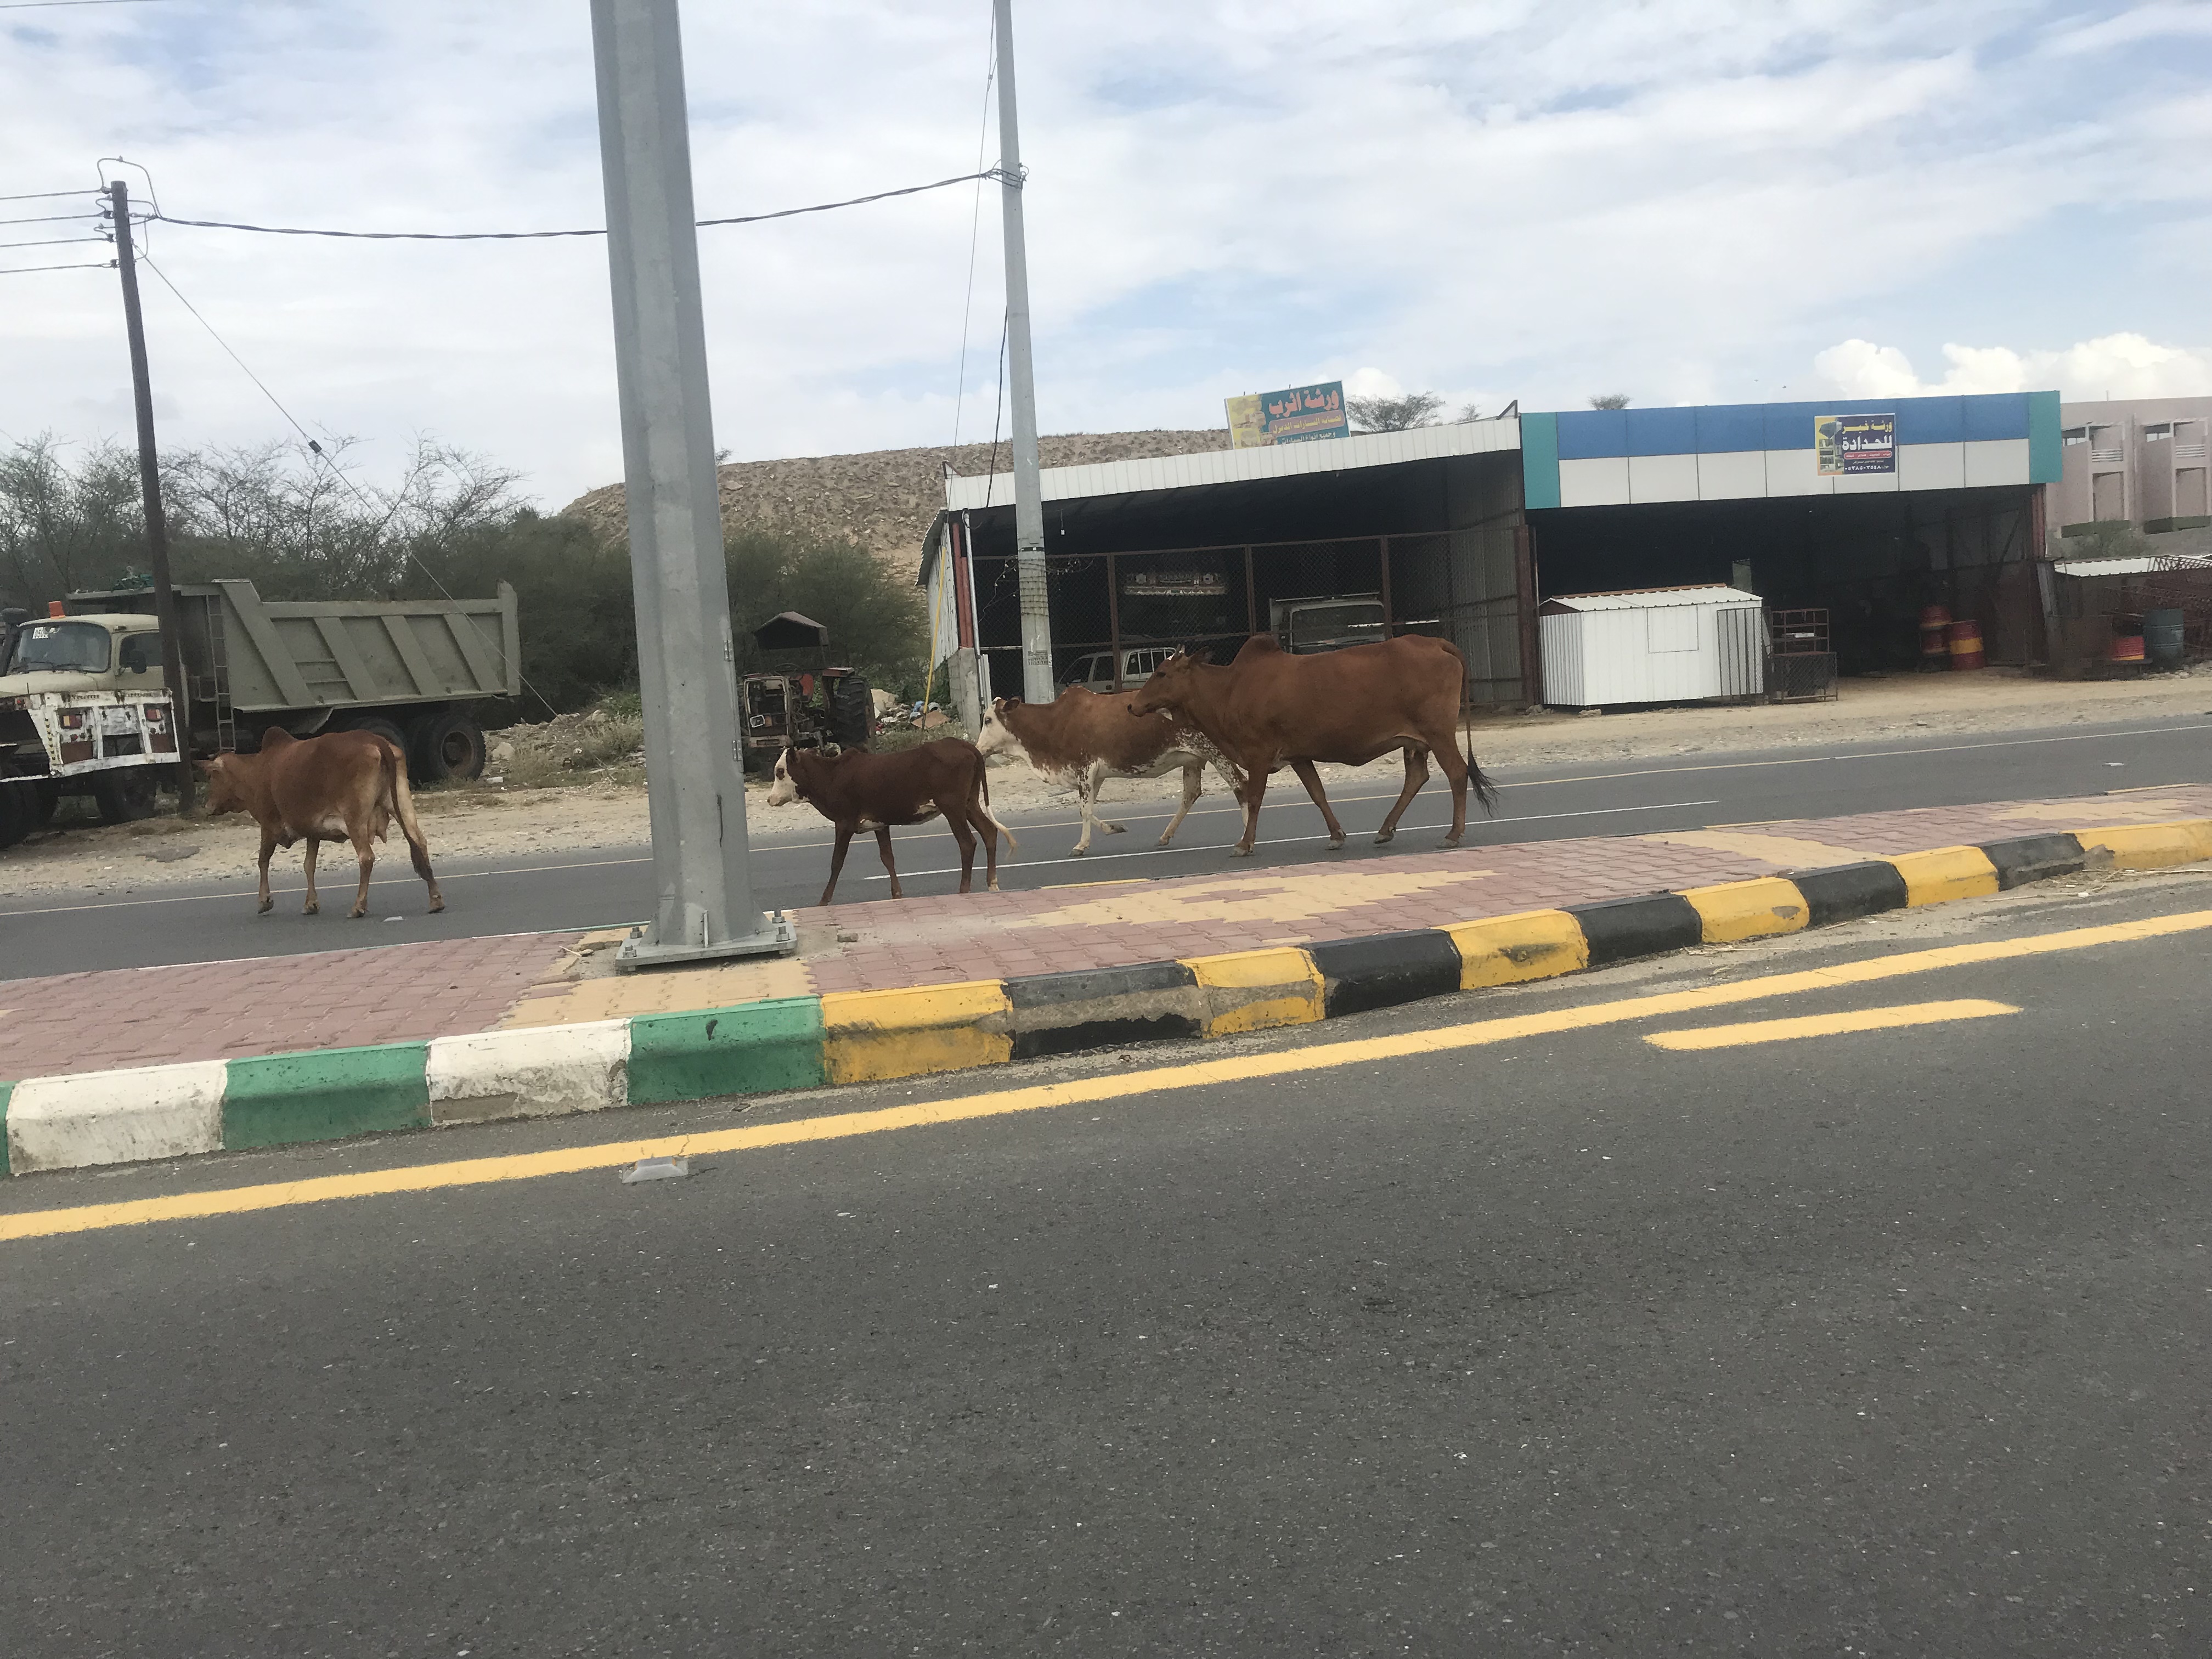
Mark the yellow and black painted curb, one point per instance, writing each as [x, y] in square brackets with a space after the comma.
[941, 1027]
[797, 1042]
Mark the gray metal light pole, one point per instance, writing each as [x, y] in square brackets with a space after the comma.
[1028, 498]
[149, 494]
[686, 660]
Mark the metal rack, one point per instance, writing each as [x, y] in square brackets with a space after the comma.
[1800, 664]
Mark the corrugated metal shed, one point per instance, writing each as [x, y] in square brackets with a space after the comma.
[1658, 645]
[1219, 466]
[1647, 598]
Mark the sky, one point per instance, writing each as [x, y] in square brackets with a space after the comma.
[1687, 201]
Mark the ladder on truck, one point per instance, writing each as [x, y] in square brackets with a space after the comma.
[213, 687]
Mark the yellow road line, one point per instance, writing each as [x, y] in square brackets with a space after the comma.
[1862, 1019]
[1195, 1074]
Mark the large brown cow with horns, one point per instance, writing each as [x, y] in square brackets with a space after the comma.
[1269, 709]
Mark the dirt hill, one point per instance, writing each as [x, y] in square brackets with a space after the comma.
[885, 499]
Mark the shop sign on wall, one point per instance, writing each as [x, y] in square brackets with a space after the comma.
[1847, 444]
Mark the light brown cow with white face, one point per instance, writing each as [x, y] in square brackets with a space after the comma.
[1086, 736]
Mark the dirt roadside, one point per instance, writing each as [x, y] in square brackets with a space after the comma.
[498, 822]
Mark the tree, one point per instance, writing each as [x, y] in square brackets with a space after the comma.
[1608, 400]
[875, 617]
[1394, 414]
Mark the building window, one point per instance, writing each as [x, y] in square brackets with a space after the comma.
[2075, 434]
[2153, 433]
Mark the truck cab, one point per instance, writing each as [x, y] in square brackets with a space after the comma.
[82, 698]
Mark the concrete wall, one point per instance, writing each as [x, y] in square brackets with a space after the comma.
[2143, 461]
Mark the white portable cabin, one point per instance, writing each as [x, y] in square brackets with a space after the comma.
[1652, 644]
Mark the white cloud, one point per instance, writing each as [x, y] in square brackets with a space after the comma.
[2112, 366]
[1678, 199]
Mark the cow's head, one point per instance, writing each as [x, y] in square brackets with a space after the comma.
[996, 738]
[785, 789]
[223, 793]
[1169, 688]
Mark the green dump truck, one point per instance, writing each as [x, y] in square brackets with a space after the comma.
[85, 709]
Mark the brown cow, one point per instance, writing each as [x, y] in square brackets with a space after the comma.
[1086, 736]
[343, 785]
[859, 791]
[1269, 708]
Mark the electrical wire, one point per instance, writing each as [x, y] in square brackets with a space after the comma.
[54, 218]
[315, 448]
[25, 270]
[540, 235]
[55, 241]
[47, 195]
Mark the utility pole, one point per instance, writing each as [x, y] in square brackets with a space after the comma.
[1028, 498]
[149, 493]
[686, 658]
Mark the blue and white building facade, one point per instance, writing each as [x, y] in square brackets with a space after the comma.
[1740, 452]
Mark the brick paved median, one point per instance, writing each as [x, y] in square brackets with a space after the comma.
[93, 1022]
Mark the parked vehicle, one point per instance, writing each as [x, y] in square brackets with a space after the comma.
[1327, 622]
[808, 704]
[85, 708]
[1095, 672]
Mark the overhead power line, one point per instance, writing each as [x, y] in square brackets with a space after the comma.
[539, 235]
[87, 264]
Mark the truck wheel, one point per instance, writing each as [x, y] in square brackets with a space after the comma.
[852, 712]
[126, 796]
[388, 730]
[448, 744]
[18, 807]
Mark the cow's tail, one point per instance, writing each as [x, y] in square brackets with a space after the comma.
[1484, 791]
[402, 808]
[983, 811]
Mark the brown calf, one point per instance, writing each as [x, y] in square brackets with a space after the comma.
[859, 791]
[1086, 736]
[345, 786]
[1269, 708]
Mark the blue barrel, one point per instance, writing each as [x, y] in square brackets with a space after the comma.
[2162, 638]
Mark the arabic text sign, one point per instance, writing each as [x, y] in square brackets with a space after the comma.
[1296, 414]
[1845, 444]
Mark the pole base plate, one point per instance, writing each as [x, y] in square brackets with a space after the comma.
[778, 936]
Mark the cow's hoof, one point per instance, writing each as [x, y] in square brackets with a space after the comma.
[1336, 843]
[1163, 842]
[267, 905]
[311, 909]
[1451, 843]
[1113, 829]
[1079, 852]
[1384, 837]
[992, 885]
[1240, 852]
[355, 915]
[437, 905]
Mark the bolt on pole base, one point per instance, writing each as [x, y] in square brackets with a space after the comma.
[777, 936]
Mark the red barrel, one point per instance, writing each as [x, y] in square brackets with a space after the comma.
[1934, 637]
[2127, 648]
[1966, 641]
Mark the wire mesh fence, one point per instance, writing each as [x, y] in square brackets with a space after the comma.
[1112, 612]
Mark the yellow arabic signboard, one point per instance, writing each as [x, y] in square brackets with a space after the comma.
[1297, 415]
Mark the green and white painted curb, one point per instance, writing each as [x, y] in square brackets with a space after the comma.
[857, 1037]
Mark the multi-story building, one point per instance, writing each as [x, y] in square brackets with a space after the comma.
[2140, 461]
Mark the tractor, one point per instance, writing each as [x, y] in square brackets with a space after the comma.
[800, 701]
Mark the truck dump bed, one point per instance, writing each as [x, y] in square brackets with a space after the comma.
[256, 656]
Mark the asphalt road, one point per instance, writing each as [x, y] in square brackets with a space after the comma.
[1892, 1342]
[1877, 1344]
[613, 886]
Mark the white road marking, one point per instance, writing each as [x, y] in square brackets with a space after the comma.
[1295, 841]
